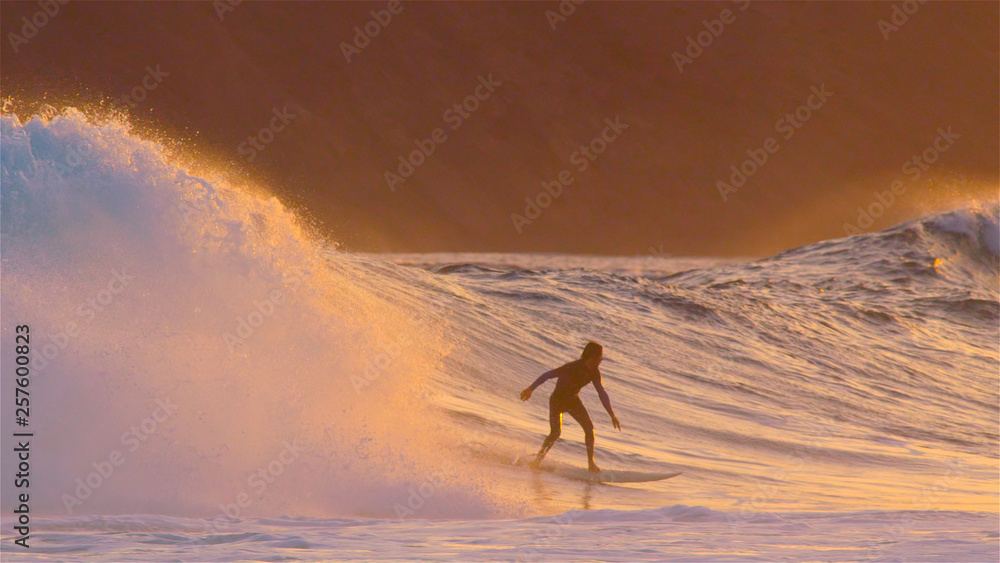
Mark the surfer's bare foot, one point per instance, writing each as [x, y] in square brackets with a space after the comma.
[534, 464]
[594, 468]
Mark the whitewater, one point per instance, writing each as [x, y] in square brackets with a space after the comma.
[214, 380]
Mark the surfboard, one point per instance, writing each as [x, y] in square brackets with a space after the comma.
[612, 475]
[571, 472]
[603, 476]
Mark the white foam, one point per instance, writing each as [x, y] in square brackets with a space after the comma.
[232, 312]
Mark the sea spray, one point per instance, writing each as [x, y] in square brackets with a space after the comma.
[201, 257]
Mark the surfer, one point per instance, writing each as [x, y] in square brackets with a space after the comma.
[570, 378]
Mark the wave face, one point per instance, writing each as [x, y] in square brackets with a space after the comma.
[249, 350]
[808, 380]
[241, 366]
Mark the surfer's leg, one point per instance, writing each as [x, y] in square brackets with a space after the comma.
[555, 429]
[579, 412]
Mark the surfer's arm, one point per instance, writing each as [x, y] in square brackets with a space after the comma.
[606, 401]
[526, 394]
[543, 378]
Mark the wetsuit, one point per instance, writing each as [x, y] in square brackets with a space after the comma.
[570, 379]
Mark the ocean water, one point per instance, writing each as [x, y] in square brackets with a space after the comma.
[212, 380]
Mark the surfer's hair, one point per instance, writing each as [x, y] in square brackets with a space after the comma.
[592, 349]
